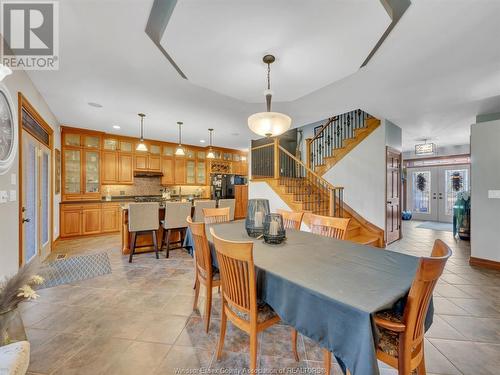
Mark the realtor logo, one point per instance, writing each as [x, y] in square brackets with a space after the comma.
[30, 32]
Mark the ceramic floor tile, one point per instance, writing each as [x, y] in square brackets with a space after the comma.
[476, 329]
[184, 357]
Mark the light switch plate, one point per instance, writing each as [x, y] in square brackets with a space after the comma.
[3, 196]
[494, 194]
[13, 196]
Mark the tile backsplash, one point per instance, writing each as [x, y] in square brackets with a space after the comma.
[152, 186]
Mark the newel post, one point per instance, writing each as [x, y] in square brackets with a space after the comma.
[307, 159]
[276, 158]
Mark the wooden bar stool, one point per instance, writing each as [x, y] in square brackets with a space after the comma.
[175, 218]
[143, 218]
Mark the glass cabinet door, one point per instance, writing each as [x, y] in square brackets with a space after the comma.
[72, 171]
[91, 172]
[110, 144]
[91, 141]
[201, 173]
[189, 153]
[71, 139]
[190, 172]
[125, 146]
[168, 151]
[154, 150]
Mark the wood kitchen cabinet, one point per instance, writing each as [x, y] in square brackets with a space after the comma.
[81, 219]
[125, 169]
[91, 219]
[241, 201]
[109, 167]
[110, 217]
[168, 170]
[180, 170]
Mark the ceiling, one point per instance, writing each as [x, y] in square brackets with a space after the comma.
[315, 45]
[437, 69]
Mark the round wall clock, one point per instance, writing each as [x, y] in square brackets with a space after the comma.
[8, 132]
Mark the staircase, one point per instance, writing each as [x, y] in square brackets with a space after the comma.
[337, 137]
[303, 189]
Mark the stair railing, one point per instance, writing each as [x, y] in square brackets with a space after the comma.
[332, 135]
[272, 161]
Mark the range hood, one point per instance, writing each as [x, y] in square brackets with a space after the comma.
[147, 174]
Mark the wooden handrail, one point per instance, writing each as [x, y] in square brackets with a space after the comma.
[262, 146]
[309, 169]
[330, 120]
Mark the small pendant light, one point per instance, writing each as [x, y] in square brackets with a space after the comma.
[141, 146]
[180, 150]
[210, 154]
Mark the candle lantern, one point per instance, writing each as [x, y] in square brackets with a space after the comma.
[256, 213]
[274, 230]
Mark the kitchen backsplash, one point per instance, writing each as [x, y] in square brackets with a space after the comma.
[152, 186]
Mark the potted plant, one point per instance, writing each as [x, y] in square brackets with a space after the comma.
[14, 290]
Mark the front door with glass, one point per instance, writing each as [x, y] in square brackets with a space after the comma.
[432, 191]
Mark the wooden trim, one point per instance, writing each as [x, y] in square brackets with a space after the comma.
[484, 263]
[23, 103]
[394, 151]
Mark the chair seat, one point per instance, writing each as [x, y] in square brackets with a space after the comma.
[215, 274]
[389, 340]
[264, 313]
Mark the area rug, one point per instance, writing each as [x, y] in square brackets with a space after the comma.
[434, 225]
[69, 270]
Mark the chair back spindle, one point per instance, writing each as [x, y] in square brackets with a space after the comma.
[216, 215]
[334, 227]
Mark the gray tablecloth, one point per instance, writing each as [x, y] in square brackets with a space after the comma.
[329, 289]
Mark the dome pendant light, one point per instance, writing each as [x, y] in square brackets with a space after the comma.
[141, 146]
[180, 150]
[210, 154]
[269, 124]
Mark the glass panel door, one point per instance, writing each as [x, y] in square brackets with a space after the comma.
[454, 180]
[91, 172]
[30, 198]
[190, 172]
[201, 173]
[422, 197]
[72, 171]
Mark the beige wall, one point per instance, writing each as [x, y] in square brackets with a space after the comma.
[9, 227]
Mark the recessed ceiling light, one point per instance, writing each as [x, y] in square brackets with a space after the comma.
[96, 105]
[116, 126]
[202, 141]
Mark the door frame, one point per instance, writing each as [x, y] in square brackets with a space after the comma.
[398, 152]
[23, 103]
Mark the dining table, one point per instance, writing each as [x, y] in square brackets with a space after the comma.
[328, 289]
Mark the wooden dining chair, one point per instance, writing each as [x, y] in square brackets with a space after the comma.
[335, 227]
[204, 272]
[401, 343]
[239, 294]
[216, 215]
[291, 219]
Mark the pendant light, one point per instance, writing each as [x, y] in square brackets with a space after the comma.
[141, 146]
[180, 150]
[269, 124]
[210, 154]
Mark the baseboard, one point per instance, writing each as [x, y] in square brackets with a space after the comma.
[485, 263]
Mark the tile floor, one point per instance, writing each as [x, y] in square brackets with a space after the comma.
[139, 319]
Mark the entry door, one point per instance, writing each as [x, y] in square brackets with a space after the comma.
[433, 191]
[393, 196]
[36, 198]
[453, 180]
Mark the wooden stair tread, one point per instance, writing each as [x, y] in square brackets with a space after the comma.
[364, 239]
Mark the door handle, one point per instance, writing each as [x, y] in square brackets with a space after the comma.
[27, 220]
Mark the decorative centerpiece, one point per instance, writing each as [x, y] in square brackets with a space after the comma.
[13, 291]
[274, 230]
[256, 213]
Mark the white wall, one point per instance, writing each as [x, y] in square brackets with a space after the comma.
[19, 81]
[485, 176]
[362, 174]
